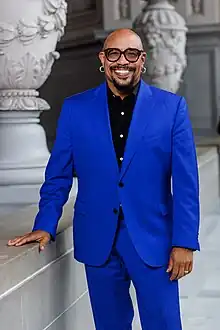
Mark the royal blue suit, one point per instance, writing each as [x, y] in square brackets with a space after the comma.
[159, 146]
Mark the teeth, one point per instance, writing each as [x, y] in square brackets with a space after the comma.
[122, 71]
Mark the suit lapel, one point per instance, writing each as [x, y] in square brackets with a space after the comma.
[140, 119]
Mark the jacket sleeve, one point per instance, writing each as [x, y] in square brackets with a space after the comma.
[185, 182]
[58, 177]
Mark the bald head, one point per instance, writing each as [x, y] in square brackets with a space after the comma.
[123, 37]
[122, 58]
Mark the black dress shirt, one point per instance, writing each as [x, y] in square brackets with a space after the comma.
[120, 114]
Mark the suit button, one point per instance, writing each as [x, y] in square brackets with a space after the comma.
[115, 211]
[121, 184]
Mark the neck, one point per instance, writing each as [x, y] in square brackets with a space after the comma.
[116, 92]
[121, 94]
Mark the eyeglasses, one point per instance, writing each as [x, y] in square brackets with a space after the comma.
[131, 54]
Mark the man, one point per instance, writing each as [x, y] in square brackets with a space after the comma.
[125, 140]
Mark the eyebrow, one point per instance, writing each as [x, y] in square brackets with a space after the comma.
[138, 48]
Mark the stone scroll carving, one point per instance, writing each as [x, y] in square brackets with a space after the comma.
[164, 32]
[16, 78]
[27, 52]
[52, 19]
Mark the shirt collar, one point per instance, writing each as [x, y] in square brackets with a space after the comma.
[134, 91]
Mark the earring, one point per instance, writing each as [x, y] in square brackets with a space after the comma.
[101, 69]
[143, 70]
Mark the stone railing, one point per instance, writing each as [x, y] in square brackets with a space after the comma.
[46, 290]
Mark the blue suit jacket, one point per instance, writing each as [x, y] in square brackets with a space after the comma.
[160, 146]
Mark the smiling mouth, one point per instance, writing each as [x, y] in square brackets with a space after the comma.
[122, 72]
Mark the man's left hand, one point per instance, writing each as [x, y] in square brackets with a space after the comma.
[180, 263]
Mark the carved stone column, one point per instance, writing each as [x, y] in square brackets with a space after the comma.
[29, 31]
[164, 33]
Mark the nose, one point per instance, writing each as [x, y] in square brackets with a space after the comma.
[122, 60]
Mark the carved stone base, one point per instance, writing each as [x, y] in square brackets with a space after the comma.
[23, 149]
[22, 100]
[23, 158]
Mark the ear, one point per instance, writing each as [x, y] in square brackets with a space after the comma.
[143, 57]
[102, 57]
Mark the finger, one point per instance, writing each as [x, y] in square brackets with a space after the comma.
[16, 240]
[27, 239]
[181, 271]
[170, 266]
[12, 241]
[175, 271]
[43, 243]
[190, 267]
[187, 266]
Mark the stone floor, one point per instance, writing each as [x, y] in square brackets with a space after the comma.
[201, 291]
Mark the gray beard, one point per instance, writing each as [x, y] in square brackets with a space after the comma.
[124, 88]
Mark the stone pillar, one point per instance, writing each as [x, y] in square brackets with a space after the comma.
[29, 31]
[164, 33]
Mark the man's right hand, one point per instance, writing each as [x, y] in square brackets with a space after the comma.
[40, 236]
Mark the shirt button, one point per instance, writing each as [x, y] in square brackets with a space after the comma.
[115, 211]
[121, 159]
[122, 113]
[121, 136]
[121, 184]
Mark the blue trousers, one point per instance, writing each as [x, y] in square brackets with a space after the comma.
[157, 296]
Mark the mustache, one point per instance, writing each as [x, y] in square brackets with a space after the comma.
[125, 67]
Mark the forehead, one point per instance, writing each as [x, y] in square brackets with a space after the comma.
[124, 41]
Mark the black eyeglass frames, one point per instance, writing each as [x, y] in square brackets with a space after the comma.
[131, 54]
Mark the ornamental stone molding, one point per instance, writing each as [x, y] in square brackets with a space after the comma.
[17, 77]
[53, 18]
[164, 33]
